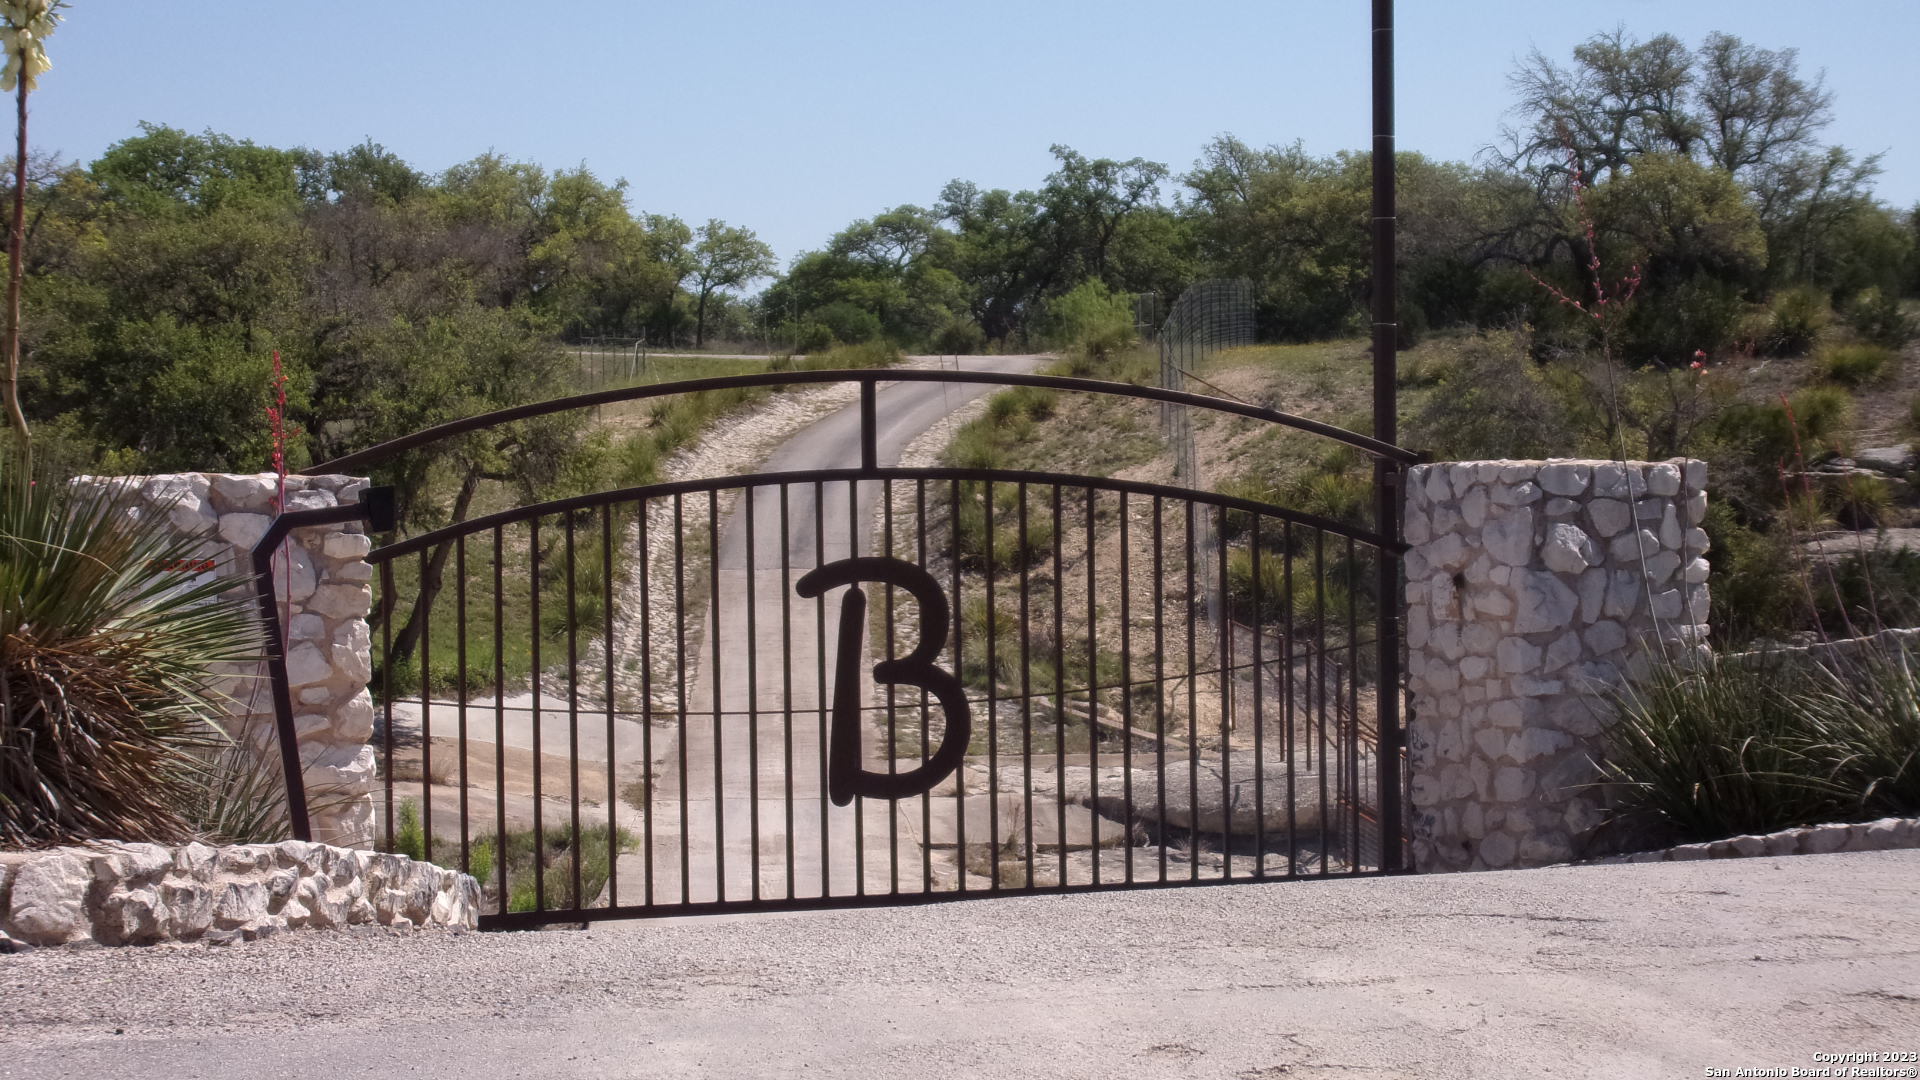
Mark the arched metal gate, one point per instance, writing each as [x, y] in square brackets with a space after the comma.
[869, 684]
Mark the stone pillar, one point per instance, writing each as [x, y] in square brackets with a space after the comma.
[323, 581]
[1532, 587]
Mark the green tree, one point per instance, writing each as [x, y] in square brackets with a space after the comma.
[724, 257]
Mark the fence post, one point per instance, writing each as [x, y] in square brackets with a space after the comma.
[1532, 588]
[322, 586]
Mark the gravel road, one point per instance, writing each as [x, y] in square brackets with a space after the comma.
[1641, 971]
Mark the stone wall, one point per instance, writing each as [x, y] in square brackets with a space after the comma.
[1531, 588]
[140, 894]
[323, 581]
[1885, 834]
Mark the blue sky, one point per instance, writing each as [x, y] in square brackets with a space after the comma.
[796, 118]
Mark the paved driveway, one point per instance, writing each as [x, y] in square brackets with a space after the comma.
[1637, 972]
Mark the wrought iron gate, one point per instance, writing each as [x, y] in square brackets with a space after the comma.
[870, 684]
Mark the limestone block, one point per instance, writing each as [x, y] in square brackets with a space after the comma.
[312, 499]
[46, 902]
[1623, 594]
[1561, 507]
[1593, 594]
[306, 665]
[1697, 508]
[1416, 528]
[1565, 650]
[1823, 841]
[1436, 485]
[1490, 742]
[1629, 548]
[1509, 538]
[244, 530]
[1564, 478]
[1545, 603]
[346, 545]
[1447, 554]
[1605, 636]
[1670, 533]
[1498, 850]
[294, 577]
[1569, 549]
[1540, 849]
[245, 492]
[1668, 604]
[353, 651]
[1517, 495]
[1473, 508]
[1479, 638]
[1495, 602]
[1663, 479]
[1516, 655]
[341, 601]
[1506, 714]
[1610, 516]
[1536, 742]
[1661, 566]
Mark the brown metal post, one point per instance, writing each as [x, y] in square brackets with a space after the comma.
[1387, 473]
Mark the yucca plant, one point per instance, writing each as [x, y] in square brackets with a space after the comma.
[107, 666]
[1713, 747]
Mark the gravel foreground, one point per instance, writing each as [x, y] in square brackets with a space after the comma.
[1655, 970]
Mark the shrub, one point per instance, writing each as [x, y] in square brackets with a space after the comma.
[1860, 502]
[107, 661]
[961, 337]
[1854, 365]
[1090, 321]
[1797, 317]
[1719, 746]
[1765, 432]
[1876, 316]
[1667, 325]
[1494, 401]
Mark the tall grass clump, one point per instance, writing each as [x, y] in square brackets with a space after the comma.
[107, 666]
[1717, 746]
[1854, 365]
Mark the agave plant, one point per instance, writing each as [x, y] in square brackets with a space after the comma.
[109, 712]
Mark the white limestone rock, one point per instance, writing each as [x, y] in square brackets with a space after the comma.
[1569, 549]
[1545, 603]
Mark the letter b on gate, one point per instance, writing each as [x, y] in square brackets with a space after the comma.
[845, 776]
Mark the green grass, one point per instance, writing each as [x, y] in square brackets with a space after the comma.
[534, 863]
[1854, 365]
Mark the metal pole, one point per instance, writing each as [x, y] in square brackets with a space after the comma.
[1386, 426]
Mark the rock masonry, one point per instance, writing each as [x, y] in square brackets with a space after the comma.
[323, 581]
[1532, 587]
[142, 894]
[1884, 834]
